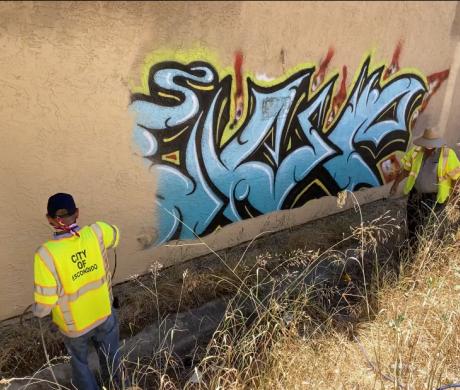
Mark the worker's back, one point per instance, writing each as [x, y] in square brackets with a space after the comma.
[71, 274]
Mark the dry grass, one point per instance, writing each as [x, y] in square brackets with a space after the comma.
[412, 343]
[409, 338]
[372, 323]
[22, 351]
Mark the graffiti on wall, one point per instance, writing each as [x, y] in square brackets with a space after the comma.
[224, 149]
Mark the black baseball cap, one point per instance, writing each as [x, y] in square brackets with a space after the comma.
[61, 201]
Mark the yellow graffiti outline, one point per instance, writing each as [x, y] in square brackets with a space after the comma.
[167, 95]
[300, 100]
[200, 87]
[373, 65]
[200, 53]
[268, 157]
[221, 111]
[175, 136]
[217, 228]
[318, 182]
[252, 216]
[197, 53]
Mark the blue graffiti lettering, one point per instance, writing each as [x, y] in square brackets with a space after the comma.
[281, 150]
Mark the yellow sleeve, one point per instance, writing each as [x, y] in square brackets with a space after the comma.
[110, 234]
[45, 290]
[406, 161]
[453, 165]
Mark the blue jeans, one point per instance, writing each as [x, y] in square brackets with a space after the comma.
[105, 339]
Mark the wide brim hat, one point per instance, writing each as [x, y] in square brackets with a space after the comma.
[430, 139]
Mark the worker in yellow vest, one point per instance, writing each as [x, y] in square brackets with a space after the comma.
[73, 282]
[432, 170]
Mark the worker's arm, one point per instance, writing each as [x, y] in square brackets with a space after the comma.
[402, 174]
[110, 234]
[45, 288]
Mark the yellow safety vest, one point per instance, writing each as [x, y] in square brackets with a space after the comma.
[448, 170]
[72, 279]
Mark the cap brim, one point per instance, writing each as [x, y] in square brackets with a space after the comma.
[429, 143]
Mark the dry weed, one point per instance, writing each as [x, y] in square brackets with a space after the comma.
[285, 328]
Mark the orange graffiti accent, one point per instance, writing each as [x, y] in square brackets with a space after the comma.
[339, 98]
[238, 65]
[434, 82]
[172, 157]
[394, 65]
[318, 78]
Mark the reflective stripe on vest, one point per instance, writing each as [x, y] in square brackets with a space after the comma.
[98, 322]
[444, 189]
[445, 154]
[49, 291]
[48, 260]
[100, 237]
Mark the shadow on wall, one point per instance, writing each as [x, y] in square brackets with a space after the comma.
[221, 157]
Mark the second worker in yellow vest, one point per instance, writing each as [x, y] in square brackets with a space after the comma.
[432, 170]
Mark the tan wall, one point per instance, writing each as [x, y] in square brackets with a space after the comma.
[65, 74]
[450, 115]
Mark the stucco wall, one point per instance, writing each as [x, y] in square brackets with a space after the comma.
[68, 71]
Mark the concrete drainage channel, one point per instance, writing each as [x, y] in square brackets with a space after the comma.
[181, 333]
